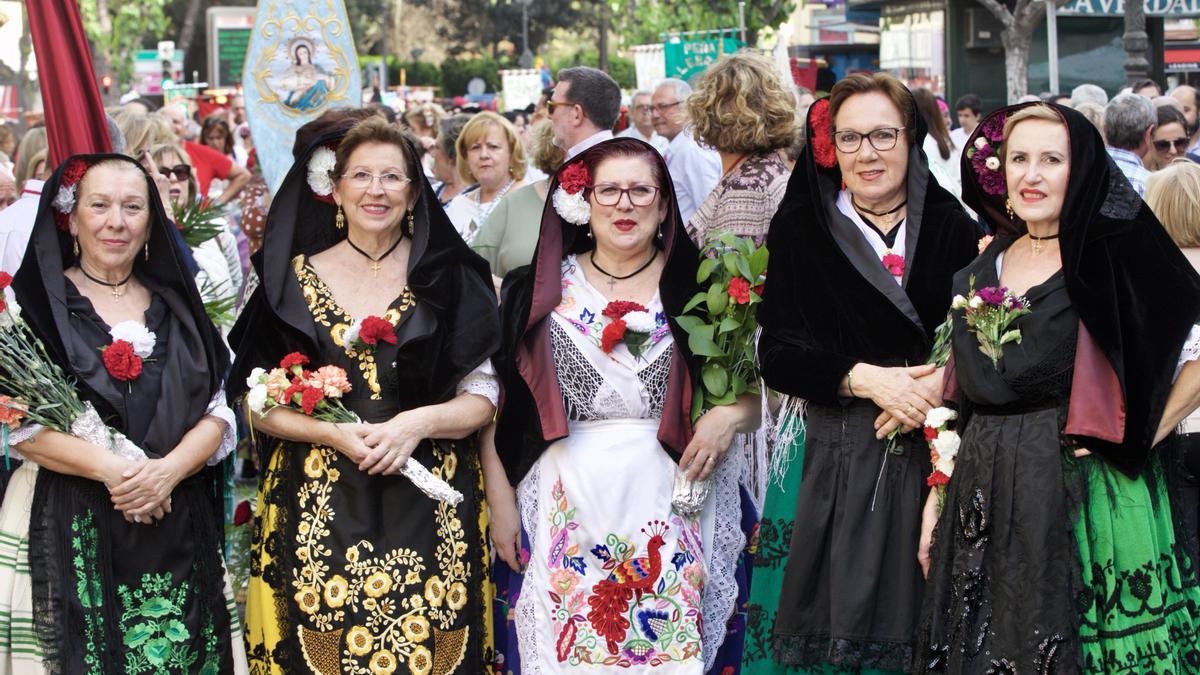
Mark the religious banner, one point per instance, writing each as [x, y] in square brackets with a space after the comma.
[690, 54]
[300, 63]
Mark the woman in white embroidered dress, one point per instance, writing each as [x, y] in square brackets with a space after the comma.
[595, 427]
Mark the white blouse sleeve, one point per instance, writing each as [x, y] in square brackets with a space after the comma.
[219, 409]
[1190, 352]
[483, 382]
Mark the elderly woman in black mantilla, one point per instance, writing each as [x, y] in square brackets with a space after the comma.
[113, 559]
[863, 249]
[595, 431]
[1056, 550]
[354, 568]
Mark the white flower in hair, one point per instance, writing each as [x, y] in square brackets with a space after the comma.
[64, 201]
[141, 338]
[573, 208]
[992, 163]
[320, 171]
[640, 322]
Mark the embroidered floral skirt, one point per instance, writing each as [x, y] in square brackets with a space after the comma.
[360, 574]
[1046, 563]
[616, 579]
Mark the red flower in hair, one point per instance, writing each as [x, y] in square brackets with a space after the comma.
[120, 361]
[937, 478]
[613, 333]
[375, 329]
[822, 138]
[293, 359]
[574, 177]
[309, 398]
[73, 173]
[619, 308]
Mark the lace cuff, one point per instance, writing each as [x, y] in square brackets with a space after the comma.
[219, 409]
[25, 433]
[483, 382]
[1190, 352]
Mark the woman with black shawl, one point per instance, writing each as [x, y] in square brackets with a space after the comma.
[124, 549]
[1056, 550]
[863, 249]
[355, 569]
[596, 419]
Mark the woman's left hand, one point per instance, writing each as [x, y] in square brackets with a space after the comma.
[392, 443]
[147, 488]
[710, 441]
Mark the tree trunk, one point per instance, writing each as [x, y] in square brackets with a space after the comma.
[187, 32]
[1016, 62]
[605, 22]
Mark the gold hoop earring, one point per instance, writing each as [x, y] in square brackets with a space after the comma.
[412, 226]
[1008, 208]
[75, 246]
[341, 220]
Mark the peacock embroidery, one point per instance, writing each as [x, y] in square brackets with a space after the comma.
[610, 598]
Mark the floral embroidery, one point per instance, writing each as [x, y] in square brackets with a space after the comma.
[87, 587]
[646, 611]
[153, 630]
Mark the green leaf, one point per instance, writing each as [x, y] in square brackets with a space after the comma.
[743, 267]
[701, 343]
[695, 301]
[1013, 335]
[728, 240]
[139, 634]
[758, 261]
[697, 403]
[730, 261]
[716, 379]
[739, 385]
[718, 299]
[691, 323]
[727, 399]
[729, 324]
[705, 270]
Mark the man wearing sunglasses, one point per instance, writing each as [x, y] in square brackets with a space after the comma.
[583, 108]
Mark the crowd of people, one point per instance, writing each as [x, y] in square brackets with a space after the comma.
[451, 353]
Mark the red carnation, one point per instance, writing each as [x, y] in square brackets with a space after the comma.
[613, 333]
[120, 361]
[822, 134]
[293, 359]
[619, 308]
[73, 173]
[739, 290]
[242, 513]
[574, 177]
[375, 329]
[937, 478]
[759, 289]
[930, 434]
[309, 398]
[894, 264]
[294, 388]
[5, 280]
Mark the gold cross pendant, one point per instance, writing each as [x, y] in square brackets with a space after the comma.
[374, 269]
[116, 293]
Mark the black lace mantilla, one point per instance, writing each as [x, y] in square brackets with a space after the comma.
[850, 654]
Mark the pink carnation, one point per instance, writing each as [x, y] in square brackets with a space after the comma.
[331, 380]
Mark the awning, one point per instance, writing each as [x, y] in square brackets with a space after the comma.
[1182, 59]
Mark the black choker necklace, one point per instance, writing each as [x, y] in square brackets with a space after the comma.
[878, 214]
[1037, 241]
[115, 288]
[612, 278]
[375, 261]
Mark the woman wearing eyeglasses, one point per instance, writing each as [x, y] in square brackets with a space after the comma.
[863, 250]
[1170, 137]
[220, 276]
[355, 569]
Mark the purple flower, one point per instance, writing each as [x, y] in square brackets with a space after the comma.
[1013, 302]
[993, 127]
[992, 296]
[991, 181]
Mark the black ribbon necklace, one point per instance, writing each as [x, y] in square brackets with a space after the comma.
[375, 261]
[613, 278]
[878, 214]
[1037, 241]
[115, 289]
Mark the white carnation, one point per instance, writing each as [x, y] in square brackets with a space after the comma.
[958, 302]
[64, 201]
[10, 315]
[255, 377]
[135, 334]
[938, 417]
[976, 302]
[351, 335]
[992, 163]
[640, 322]
[946, 466]
[573, 208]
[320, 171]
[946, 445]
[256, 398]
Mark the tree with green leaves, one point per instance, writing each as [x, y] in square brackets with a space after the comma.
[642, 21]
[117, 30]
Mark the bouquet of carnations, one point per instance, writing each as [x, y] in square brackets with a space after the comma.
[989, 312]
[943, 449]
[719, 320]
[318, 393]
[37, 389]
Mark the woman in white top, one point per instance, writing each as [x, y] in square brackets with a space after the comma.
[491, 157]
[939, 147]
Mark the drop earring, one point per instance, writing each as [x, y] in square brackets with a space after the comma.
[147, 250]
[1008, 208]
[75, 246]
[341, 219]
[412, 226]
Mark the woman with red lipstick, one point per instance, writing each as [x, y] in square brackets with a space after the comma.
[114, 560]
[1056, 549]
[355, 569]
[595, 431]
[863, 249]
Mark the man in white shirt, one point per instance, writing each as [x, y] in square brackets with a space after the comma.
[641, 122]
[969, 109]
[16, 224]
[695, 169]
[583, 108]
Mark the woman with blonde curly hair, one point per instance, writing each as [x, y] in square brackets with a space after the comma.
[741, 108]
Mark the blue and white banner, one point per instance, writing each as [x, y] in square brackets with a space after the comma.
[300, 63]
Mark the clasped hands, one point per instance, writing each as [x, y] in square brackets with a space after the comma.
[905, 394]
[383, 448]
[141, 490]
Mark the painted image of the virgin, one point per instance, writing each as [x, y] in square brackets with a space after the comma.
[305, 84]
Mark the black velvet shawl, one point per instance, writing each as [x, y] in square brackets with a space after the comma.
[197, 358]
[1134, 291]
[532, 415]
[828, 304]
[453, 328]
